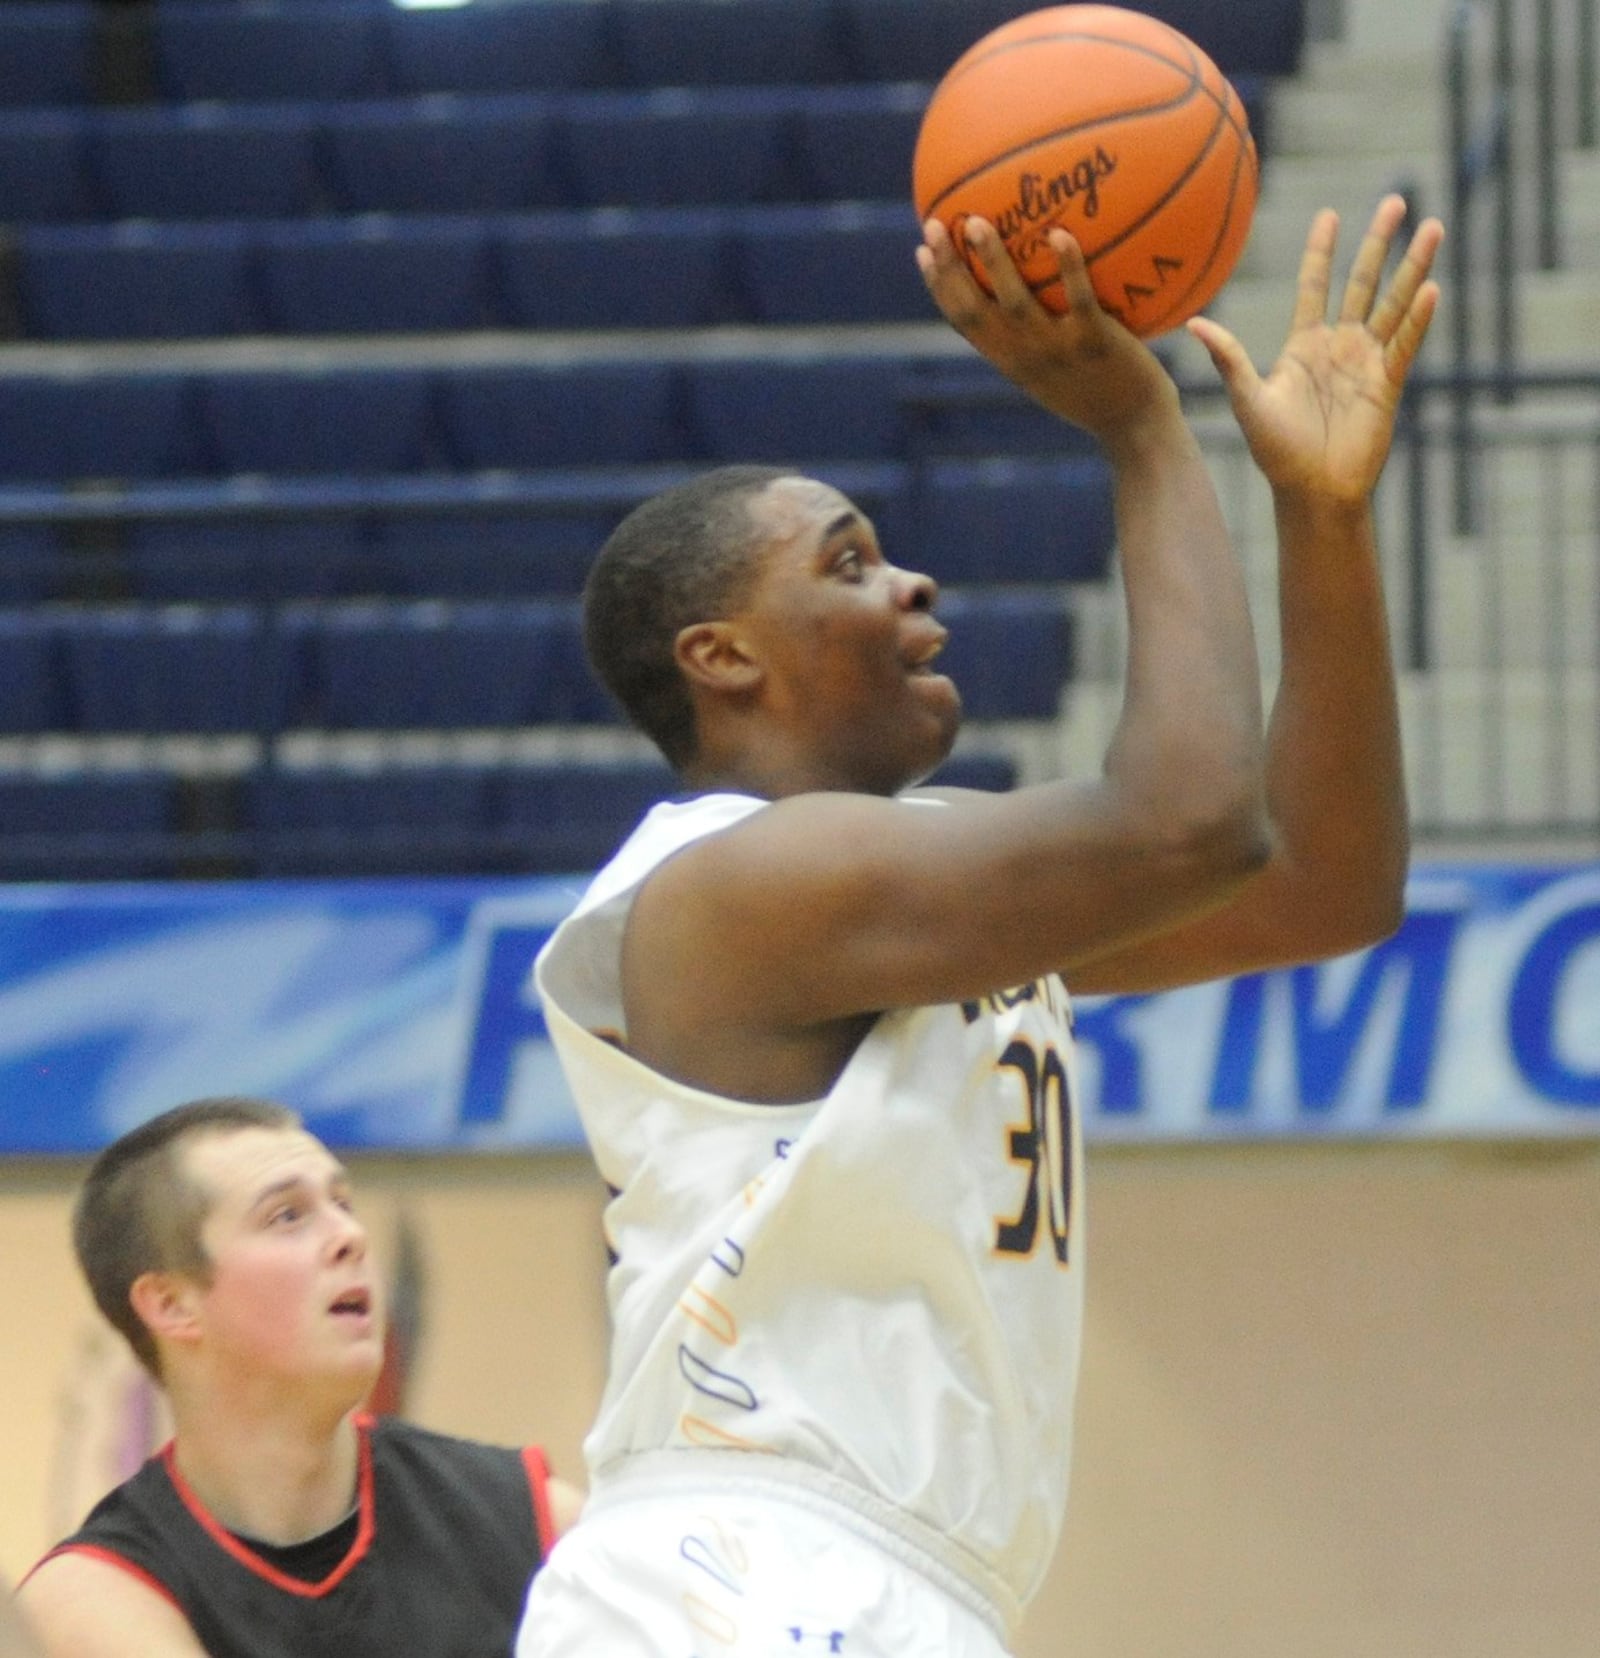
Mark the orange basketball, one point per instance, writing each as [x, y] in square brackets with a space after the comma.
[1115, 127]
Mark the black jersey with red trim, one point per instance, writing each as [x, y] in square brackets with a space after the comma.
[447, 1535]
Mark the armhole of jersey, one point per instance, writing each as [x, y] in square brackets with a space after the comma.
[538, 1471]
[98, 1551]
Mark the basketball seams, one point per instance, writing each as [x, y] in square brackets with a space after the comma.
[1135, 226]
[1242, 153]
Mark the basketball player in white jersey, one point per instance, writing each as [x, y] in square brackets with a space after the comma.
[818, 1028]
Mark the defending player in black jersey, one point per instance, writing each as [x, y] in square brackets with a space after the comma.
[221, 1240]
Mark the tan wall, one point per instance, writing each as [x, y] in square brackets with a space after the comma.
[1336, 1401]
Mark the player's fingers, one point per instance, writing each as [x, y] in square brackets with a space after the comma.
[1400, 352]
[983, 241]
[1077, 289]
[1316, 264]
[1367, 271]
[1409, 276]
[948, 279]
[1231, 359]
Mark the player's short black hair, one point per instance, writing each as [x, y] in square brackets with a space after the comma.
[683, 556]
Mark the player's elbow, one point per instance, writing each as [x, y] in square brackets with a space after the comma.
[1362, 914]
[1218, 839]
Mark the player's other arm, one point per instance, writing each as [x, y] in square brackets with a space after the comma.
[82, 1606]
[1319, 426]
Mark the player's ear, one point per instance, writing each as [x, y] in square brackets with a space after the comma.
[716, 656]
[167, 1304]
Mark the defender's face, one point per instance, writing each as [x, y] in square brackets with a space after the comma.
[847, 643]
[293, 1291]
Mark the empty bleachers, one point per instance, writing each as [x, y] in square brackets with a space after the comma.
[285, 567]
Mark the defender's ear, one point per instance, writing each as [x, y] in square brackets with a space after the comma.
[715, 656]
[168, 1305]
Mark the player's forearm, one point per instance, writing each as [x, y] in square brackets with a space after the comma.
[1191, 729]
[1335, 778]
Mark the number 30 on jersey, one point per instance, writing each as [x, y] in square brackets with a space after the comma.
[1043, 1146]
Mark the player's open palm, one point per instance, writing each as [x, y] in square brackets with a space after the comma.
[1322, 419]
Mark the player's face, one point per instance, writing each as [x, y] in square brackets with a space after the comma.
[847, 643]
[293, 1292]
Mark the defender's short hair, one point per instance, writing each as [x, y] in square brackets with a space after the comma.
[139, 1212]
[684, 556]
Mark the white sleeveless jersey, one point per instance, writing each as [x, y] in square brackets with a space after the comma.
[883, 1286]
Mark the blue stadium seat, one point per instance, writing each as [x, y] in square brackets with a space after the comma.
[1015, 519]
[796, 410]
[269, 49]
[616, 268]
[87, 825]
[573, 817]
[855, 142]
[1266, 37]
[112, 804]
[887, 40]
[708, 42]
[178, 669]
[1009, 652]
[111, 425]
[397, 797]
[400, 820]
[44, 171]
[443, 154]
[204, 161]
[32, 689]
[911, 40]
[964, 407]
[46, 52]
[374, 274]
[680, 148]
[995, 772]
[555, 44]
[432, 665]
[31, 565]
[331, 420]
[518, 553]
[136, 281]
[583, 413]
[850, 262]
[246, 559]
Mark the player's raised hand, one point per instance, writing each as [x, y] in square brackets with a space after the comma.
[1081, 364]
[1322, 419]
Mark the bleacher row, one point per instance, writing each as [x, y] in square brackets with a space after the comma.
[204, 568]
[835, 263]
[227, 50]
[428, 818]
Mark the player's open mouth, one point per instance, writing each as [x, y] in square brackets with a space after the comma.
[355, 1303]
[921, 661]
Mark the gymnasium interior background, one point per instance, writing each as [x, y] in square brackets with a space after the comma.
[336, 332]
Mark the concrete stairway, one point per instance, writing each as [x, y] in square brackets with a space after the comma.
[1503, 719]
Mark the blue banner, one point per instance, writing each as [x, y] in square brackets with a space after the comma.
[401, 1015]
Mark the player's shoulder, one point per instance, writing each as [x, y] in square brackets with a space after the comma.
[93, 1603]
[398, 1442]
